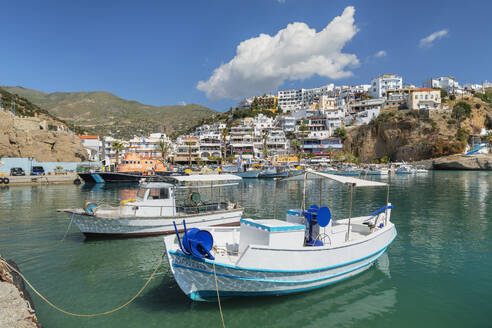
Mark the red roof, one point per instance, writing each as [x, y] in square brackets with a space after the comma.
[425, 89]
[88, 137]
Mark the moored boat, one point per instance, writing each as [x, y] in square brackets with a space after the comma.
[272, 257]
[157, 204]
[272, 172]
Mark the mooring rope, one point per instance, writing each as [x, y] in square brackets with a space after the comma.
[218, 297]
[66, 232]
[92, 314]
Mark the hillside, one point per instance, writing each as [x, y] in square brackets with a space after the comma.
[23, 107]
[33, 132]
[103, 113]
[410, 136]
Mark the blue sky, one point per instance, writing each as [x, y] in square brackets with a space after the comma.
[156, 52]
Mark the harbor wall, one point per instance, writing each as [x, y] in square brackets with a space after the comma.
[27, 163]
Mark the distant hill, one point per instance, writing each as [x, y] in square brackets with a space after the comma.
[103, 113]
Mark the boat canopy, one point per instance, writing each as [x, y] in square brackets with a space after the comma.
[206, 178]
[156, 185]
[355, 182]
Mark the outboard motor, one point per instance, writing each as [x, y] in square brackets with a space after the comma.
[196, 242]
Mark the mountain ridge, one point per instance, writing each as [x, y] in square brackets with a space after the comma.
[103, 113]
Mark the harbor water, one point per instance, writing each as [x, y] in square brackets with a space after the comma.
[437, 272]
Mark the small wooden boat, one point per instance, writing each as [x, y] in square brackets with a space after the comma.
[272, 257]
[157, 204]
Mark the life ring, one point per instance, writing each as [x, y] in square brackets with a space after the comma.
[90, 207]
[6, 180]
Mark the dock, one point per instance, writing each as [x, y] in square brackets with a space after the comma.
[29, 180]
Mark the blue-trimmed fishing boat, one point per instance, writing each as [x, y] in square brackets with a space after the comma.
[271, 257]
[272, 172]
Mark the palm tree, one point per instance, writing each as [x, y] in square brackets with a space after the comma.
[224, 147]
[265, 147]
[330, 151]
[303, 129]
[118, 146]
[164, 149]
[190, 145]
[295, 145]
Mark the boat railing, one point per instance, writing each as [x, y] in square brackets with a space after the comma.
[189, 209]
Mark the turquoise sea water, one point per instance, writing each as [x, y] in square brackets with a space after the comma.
[437, 273]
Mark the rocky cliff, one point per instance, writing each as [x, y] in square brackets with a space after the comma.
[412, 136]
[25, 140]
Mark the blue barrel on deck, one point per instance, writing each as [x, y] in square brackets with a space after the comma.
[198, 243]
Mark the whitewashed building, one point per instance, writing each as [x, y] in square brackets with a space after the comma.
[381, 84]
[92, 145]
[291, 100]
[447, 83]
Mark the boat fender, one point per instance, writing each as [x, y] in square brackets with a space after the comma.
[77, 181]
[90, 207]
[124, 202]
[6, 180]
[1, 180]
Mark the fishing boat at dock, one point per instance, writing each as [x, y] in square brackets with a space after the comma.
[158, 203]
[272, 257]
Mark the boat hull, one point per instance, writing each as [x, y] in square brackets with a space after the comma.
[119, 177]
[273, 175]
[93, 226]
[247, 174]
[197, 278]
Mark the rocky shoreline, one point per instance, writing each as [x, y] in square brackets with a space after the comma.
[482, 162]
[16, 306]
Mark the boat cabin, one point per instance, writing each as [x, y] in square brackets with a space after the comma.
[188, 195]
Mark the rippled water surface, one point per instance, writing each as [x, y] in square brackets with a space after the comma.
[437, 273]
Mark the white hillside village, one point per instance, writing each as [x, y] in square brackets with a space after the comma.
[308, 121]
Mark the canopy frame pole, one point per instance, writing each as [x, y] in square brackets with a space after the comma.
[387, 203]
[350, 212]
[303, 205]
[275, 200]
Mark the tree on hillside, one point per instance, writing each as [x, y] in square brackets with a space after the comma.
[118, 146]
[341, 133]
[461, 111]
[488, 138]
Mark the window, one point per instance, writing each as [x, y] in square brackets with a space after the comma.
[162, 193]
[141, 192]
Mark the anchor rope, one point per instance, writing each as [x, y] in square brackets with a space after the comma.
[218, 297]
[2, 260]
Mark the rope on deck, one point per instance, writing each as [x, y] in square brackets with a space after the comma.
[92, 314]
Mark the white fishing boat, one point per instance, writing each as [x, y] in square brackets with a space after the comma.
[405, 169]
[198, 199]
[272, 257]
[380, 171]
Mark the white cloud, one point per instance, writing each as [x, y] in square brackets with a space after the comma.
[296, 52]
[380, 53]
[428, 40]
[182, 103]
[281, 1]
